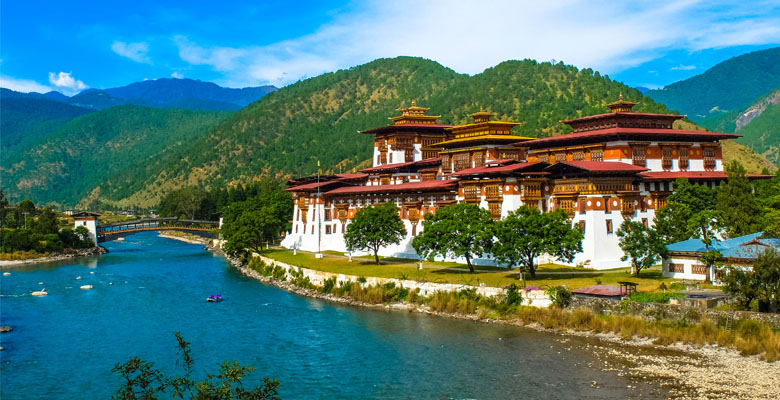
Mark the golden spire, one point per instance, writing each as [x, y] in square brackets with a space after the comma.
[621, 105]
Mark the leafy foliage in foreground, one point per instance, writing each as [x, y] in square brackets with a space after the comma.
[374, 227]
[143, 381]
[642, 245]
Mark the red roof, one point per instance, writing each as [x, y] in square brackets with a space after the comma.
[517, 166]
[387, 167]
[351, 176]
[395, 126]
[625, 133]
[311, 186]
[598, 166]
[624, 114]
[404, 187]
[672, 175]
[600, 290]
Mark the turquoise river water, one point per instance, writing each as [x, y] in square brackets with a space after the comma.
[64, 345]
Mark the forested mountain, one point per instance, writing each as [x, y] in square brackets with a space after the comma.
[107, 153]
[26, 119]
[161, 93]
[286, 132]
[732, 85]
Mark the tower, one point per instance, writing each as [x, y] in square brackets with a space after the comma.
[89, 221]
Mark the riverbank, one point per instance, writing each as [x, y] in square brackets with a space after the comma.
[184, 237]
[72, 253]
[691, 371]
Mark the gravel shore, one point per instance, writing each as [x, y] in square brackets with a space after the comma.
[92, 251]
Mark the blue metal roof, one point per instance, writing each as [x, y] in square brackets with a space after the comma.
[734, 248]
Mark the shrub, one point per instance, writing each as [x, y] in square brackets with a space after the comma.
[513, 296]
[663, 298]
[279, 273]
[560, 296]
[361, 279]
[300, 280]
[328, 285]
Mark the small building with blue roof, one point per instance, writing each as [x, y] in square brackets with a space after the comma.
[682, 261]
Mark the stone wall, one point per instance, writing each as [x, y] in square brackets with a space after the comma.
[655, 311]
[537, 298]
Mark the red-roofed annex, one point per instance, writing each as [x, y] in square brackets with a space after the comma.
[612, 167]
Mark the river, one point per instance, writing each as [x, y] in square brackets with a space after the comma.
[64, 345]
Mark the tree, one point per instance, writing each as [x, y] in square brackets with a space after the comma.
[687, 200]
[706, 225]
[143, 381]
[762, 283]
[737, 204]
[527, 233]
[460, 230]
[188, 202]
[46, 222]
[643, 246]
[374, 227]
[249, 224]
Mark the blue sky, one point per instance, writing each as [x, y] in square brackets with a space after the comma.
[70, 46]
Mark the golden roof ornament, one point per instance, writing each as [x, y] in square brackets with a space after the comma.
[621, 105]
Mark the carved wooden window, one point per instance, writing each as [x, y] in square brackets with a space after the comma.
[699, 269]
[414, 229]
[409, 155]
[462, 161]
[683, 158]
[676, 268]
[495, 209]
[644, 222]
[493, 191]
[607, 205]
[445, 163]
[709, 158]
[666, 158]
[429, 176]
[583, 205]
[385, 179]
[597, 155]
[638, 156]
[582, 227]
[383, 157]
[479, 158]
[327, 229]
[627, 207]
[660, 202]
[471, 192]
[567, 205]
[544, 157]
[429, 154]
[609, 226]
[327, 215]
[578, 156]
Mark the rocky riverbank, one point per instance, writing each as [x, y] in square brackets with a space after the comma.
[183, 237]
[690, 372]
[64, 255]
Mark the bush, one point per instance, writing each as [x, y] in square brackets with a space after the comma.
[279, 273]
[329, 285]
[299, 279]
[513, 296]
[560, 296]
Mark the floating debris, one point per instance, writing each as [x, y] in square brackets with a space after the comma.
[41, 292]
[6, 273]
[85, 287]
[78, 278]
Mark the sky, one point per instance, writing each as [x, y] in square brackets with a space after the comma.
[75, 45]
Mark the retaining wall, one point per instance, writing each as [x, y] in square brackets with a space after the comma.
[537, 298]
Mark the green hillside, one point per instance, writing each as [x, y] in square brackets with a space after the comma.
[109, 152]
[762, 134]
[132, 155]
[286, 132]
[729, 86]
[23, 121]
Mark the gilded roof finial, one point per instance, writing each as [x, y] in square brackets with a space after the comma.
[414, 103]
[621, 95]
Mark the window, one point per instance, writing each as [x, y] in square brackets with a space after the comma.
[644, 222]
[578, 156]
[471, 192]
[582, 227]
[409, 155]
[414, 230]
[495, 210]
[479, 158]
[683, 158]
[327, 215]
[676, 268]
[296, 228]
[709, 158]
[461, 161]
[699, 269]
[327, 229]
[638, 156]
[445, 163]
[544, 157]
[597, 155]
[666, 158]
[607, 205]
[609, 226]
[312, 229]
[567, 205]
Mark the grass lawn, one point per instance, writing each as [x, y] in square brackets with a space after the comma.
[444, 272]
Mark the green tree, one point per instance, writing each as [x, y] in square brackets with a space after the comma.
[189, 202]
[687, 200]
[643, 246]
[143, 381]
[737, 204]
[374, 227]
[460, 230]
[46, 222]
[249, 224]
[762, 283]
[527, 233]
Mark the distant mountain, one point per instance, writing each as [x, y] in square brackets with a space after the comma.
[110, 153]
[642, 89]
[162, 93]
[25, 119]
[730, 86]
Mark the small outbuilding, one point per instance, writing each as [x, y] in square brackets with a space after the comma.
[683, 260]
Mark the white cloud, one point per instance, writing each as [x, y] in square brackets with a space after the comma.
[177, 75]
[65, 82]
[470, 36]
[683, 68]
[22, 85]
[134, 51]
